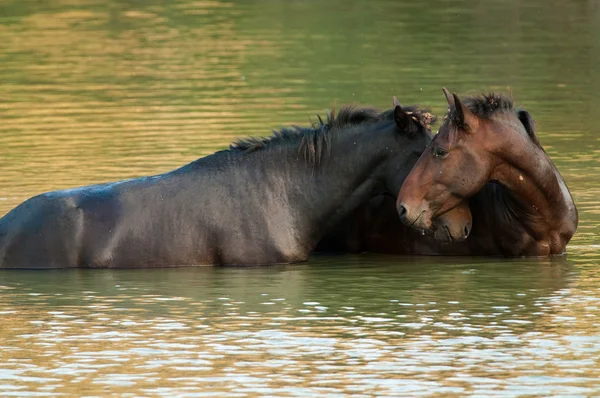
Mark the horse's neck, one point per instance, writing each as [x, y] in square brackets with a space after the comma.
[346, 178]
[538, 194]
[500, 223]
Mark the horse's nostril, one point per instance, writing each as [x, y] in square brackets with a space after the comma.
[402, 211]
[467, 230]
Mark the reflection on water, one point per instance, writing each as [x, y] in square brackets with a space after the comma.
[310, 330]
[100, 91]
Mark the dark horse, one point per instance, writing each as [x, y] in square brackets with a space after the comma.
[263, 201]
[525, 210]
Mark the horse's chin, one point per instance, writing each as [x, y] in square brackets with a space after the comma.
[443, 234]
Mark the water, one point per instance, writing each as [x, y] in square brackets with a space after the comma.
[99, 91]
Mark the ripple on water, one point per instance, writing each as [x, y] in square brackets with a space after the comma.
[326, 355]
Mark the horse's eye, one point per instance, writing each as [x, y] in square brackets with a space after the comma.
[440, 153]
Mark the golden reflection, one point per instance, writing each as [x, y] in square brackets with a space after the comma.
[137, 340]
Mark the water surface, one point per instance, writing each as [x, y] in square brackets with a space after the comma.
[95, 91]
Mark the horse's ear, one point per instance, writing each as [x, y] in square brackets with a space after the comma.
[527, 121]
[459, 114]
[448, 96]
[463, 116]
[405, 121]
[395, 102]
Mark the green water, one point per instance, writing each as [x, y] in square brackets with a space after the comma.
[94, 91]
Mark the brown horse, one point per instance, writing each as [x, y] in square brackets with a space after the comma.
[526, 211]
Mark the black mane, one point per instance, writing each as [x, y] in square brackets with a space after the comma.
[348, 116]
[314, 141]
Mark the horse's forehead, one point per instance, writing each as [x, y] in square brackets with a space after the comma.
[443, 134]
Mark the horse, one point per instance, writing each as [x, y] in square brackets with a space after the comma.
[487, 153]
[262, 201]
[375, 227]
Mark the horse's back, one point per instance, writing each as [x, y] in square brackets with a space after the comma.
[167, 220]
[64, 229]
[43, 232]
[190, 216]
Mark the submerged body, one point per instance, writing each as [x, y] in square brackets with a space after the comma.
[264, 201]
